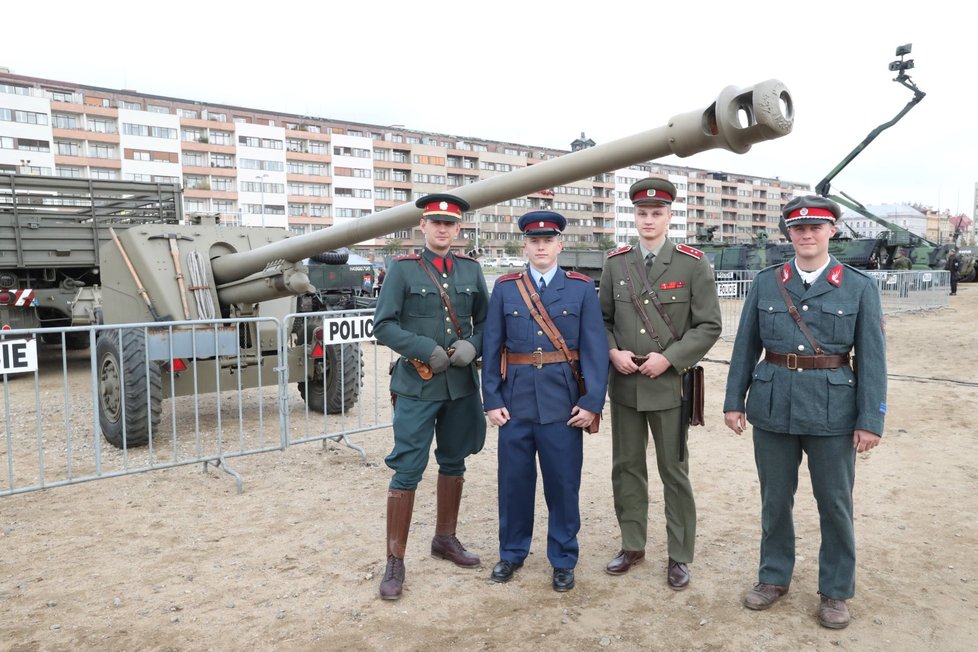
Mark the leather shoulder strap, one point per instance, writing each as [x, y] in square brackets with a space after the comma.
[542, 317]
[658, 304]
[444, 297]
[644, 316]
[793, 311]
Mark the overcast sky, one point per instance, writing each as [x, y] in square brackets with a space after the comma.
[541, 72]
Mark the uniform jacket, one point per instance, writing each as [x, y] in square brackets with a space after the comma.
[842, 310]
[547, 394]
[411, 319]
[684, 284]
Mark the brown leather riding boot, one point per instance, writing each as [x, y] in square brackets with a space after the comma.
[400, 505]
[445, 545]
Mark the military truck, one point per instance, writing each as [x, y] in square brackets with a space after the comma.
[245, 274]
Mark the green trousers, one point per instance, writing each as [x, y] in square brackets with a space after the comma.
[630, 478]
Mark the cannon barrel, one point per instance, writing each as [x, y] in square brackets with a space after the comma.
[737, 119]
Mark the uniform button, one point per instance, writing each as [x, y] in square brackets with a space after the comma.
[445, 285]
[444, 275]
[850, 381]
[804, 307]
[642, 331]
[621, 282]
[448, 330]
[673, 297]
[840, 312]
[539, 332]
[770, 308]
[800, 370]
[646, 301]
[565, 312]
[423, 290]
[448, 319]
[801, 347]
[516, 312]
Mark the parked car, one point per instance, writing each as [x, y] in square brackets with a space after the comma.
[509, 261]
[489, 262]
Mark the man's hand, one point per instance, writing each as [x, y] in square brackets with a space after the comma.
[655, 365]
[864, 440]
[498, 416]
[464, 353]
[736, 421]
[623, 361]
[438, 360]
[580, 418]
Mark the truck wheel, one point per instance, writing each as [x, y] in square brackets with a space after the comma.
[122, 380]
[331, 257]
[343, 368]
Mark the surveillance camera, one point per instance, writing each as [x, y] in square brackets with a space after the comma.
[904, 49]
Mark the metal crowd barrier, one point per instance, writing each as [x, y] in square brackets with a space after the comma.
[52, 405]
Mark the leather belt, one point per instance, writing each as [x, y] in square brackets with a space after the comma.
[540, 358]
[793, 361]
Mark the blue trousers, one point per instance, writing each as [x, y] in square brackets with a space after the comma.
[832, 466]
[561, 452]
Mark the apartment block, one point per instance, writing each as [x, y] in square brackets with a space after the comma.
[264, 168]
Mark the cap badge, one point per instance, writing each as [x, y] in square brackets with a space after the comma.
[443, 206]
[541, 225]
[803, 211]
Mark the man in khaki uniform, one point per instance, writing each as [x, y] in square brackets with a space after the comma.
[646, 369]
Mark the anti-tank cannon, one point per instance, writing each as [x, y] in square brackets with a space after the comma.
[237, 272]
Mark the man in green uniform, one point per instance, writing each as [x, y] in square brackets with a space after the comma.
[647, 364]
[431, 312]
[817, 322]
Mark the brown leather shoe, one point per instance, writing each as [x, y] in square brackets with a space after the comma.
[450, 548]
[393, 583]
[762, 596]
[833, 614]
[678, 575]
[624, 561]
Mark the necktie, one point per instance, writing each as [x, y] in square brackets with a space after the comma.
[807, 285]
[542, 284]
[649, 259]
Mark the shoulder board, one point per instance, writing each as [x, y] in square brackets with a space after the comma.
[512, 276]
[619, 250]
[577, 276]
[408, 257]
[464, 257]
[690, 251]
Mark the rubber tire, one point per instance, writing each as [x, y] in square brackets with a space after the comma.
[331, 257]
[129, 369]
[342, 388]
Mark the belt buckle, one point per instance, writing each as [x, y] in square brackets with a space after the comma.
[792, 360]
[538, 365]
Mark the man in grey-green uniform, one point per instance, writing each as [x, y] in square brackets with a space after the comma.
[820, 391]
[646, 369]
[431, 312]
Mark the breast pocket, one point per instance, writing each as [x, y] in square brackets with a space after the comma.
[422, 301]
[465, 298]
[517, 321]
[839, 322]
[567, 319]
[773, 320]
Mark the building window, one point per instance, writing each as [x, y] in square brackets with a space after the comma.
[26, 117]
[101, 125]
[102, 173]
[196, 159]
[72, 172]
[152, 131]
[101, 150]
[187, 113]
[155, 108]
[221, 137]
[221, 161]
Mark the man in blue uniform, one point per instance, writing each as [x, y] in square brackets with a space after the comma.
[431, 312]
[820, 390]
[530, 391]
[650, 350]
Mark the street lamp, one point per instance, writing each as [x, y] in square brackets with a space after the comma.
[261, 188]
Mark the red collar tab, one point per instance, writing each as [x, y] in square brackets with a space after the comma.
[690, 251]
[443, 265]
[652, 193]
[835, 276]
[674, 285]
[786, 272]
[442, 208]
[619, 250]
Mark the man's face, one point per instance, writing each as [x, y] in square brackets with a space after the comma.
[439, 235]
[811, 241]
[652, 221]
[542, 250]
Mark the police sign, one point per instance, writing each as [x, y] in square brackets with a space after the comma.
[18, 356]
[348, 329]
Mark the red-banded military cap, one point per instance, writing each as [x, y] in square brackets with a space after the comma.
[810, 209]
[652, 191]
[542, 223]
[442, 207]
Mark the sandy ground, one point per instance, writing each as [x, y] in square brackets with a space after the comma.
[178, 560]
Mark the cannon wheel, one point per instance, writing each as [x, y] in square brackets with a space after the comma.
[342, 388]
[122, 378]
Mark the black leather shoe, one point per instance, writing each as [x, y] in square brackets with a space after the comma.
[624, 561]
[563, 579]
[503, 571]
[678, 575]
